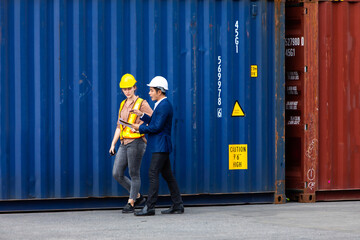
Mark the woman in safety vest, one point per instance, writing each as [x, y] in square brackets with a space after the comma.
[133, 144]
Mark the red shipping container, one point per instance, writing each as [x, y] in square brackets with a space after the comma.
[301, 126]
[323, 100]
[339, 99]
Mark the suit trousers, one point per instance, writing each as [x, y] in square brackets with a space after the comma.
[160, 163]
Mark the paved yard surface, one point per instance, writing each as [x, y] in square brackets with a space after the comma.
[324, 220]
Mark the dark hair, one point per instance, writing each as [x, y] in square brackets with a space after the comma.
[159, 89]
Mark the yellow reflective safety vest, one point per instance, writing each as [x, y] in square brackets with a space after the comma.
[126, 131]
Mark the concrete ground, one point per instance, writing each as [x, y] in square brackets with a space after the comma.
[324, 220]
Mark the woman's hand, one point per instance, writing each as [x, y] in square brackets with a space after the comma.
[137, 112]
[112, 150]
[135, 126]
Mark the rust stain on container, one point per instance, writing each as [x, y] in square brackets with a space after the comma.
[279, 121]
[301, 109]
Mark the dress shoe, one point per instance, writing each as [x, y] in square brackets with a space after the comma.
[139, 201]
[146, 211]
[174, 210]
[128, 208]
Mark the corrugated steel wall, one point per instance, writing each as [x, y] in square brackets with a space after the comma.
[60, 65]
[324, 161]
[339, 74]
[302, 105]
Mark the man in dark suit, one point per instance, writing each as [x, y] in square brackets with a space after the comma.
[158, 128]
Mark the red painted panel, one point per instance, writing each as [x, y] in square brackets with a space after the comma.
[294, 96]
[323, 151]
[301, 129]
[339, 105]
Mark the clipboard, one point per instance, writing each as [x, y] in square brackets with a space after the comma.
[124, 123]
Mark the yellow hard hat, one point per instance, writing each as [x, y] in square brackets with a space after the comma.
[127, 81]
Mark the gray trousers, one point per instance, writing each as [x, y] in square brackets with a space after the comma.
[130, 156]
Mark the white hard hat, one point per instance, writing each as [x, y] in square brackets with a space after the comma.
[159, 82]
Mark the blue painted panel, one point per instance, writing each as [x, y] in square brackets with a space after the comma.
[60, 64]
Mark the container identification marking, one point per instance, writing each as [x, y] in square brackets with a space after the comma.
[290, 52]
[294, 41]
[294, 120]
[238, 156]
[219, 83]
[237, 36]
[237, 110]
[291, 105]
[293, 76]
[254, 72]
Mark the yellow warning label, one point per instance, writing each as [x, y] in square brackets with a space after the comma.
[237, 110]
[237, 156]
[254, 71]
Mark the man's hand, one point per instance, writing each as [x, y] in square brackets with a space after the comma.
[137, 112]
[135, 126]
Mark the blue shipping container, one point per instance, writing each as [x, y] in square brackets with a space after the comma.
[60, 65]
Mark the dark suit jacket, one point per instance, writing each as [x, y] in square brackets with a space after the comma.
[158, 127]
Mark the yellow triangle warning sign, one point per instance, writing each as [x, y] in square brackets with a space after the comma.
[237, 110]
